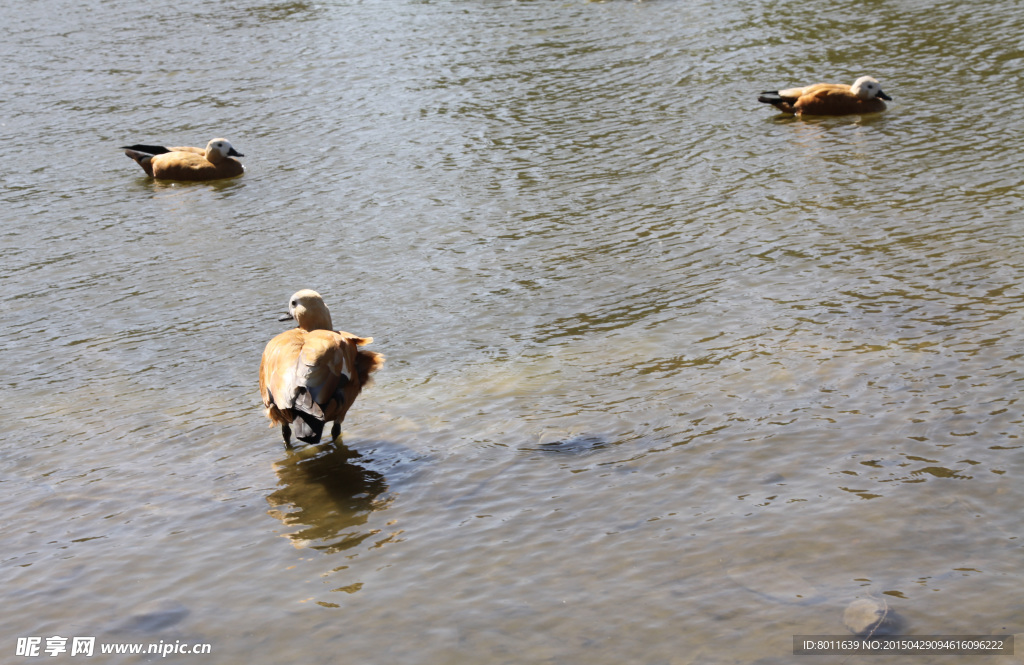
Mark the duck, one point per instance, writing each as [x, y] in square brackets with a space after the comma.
[312, 374]
[864, 96]
[185, 163]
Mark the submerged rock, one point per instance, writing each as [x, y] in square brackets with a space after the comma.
[868, 616]
[153, 617]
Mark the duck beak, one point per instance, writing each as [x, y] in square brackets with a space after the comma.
[234, 153]
[884, 96]
[287, 316]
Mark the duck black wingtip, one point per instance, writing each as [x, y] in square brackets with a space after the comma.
[148, 149]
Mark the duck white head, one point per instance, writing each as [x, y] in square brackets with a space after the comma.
[867, 87]
[307, 308]
[218, 150]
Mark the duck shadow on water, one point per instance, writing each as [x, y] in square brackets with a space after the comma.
[328, 491]
[172, 187]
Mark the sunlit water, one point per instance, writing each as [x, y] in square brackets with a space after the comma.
[670, 378]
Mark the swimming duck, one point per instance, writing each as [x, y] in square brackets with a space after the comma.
[864, 96]
[186, 163]
[312, 374]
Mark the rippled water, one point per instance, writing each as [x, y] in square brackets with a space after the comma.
[670, 378]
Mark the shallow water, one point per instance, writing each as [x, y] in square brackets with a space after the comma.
[670, 378]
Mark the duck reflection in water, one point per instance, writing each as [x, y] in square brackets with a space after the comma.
[325, 491]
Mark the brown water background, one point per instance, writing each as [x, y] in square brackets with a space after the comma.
[670, 378]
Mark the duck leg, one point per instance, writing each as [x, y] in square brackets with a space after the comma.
[335, 430]
[286, 434]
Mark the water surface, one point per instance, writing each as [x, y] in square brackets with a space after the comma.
[670, 378]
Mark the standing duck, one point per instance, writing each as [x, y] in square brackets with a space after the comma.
[312, 374]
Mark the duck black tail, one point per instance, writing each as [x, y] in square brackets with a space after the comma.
[308, 424]
[307, 428]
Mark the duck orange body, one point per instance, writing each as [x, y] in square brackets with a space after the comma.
[864, 96]
[311, 374]
[215, 162]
